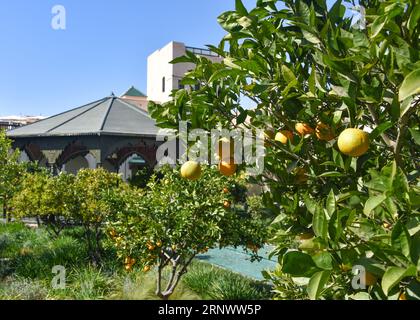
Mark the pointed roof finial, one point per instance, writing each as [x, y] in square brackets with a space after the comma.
[112, 94]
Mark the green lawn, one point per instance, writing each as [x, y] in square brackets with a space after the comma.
[27, 257]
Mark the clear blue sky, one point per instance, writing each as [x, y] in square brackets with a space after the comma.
[104, 48]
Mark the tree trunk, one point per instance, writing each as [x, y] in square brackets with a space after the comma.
[4, 209]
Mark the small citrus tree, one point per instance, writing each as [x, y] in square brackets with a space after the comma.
[45, 197]
[339, 99]
[173, 219]
[10, 172]
[88, 205]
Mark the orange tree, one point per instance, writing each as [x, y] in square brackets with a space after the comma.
[173, 219]
[312, 71]
[10, 172]
[64, 198]
[44, 197]
[88, 206]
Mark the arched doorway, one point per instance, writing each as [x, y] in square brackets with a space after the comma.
[75, 164]
[131, 165]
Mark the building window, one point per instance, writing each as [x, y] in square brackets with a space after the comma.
[180, 85]
[163, 84]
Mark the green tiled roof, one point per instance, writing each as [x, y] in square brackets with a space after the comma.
[108, 116]
[134, 92]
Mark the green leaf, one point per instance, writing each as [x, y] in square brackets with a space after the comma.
[311, 204]
[410, 86]
[415, 134]
[223, 73]
[372, 203]
[312, 38]
[400, 239]
[378, 24]
[331, 203]
[311, 81]
[413, 225]
[320, 223]
[360, 296]
[288, 74]
[331, 174]
[304, 12]
[182, 59]
[393, 276]
[414, 17]
[323, 260]
[242, 116]
[380, 129]
[298, 264]
[337, 12]
[240, 8]
[317, 284]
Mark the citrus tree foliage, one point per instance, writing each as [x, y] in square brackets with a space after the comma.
[172, 220]
[89, 205]
[10, 171]
[306, 62]
[66, 198]
[46, 197]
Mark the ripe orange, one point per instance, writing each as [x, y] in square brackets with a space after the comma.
[284, 135]
[370, 279]
[206, 249]
[129, 261]
[268, 135]
[386, 225]
[150, 246]
[226, 148]
[191, 170]
[353, 142]
[227, 168]
[128, 267]
[226, 204]
[225, 190]
[301, 176]
[303, 128]
[306, 236]
[345, 267]
[159, 243]
[324, 132]
[112, 233]
[146, 269]
[253, 247]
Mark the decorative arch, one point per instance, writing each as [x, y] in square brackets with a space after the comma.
[34, 152]
[147, 152]
[127, 169]
[72, 151]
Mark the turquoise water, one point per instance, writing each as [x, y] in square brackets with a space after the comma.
[239, 261]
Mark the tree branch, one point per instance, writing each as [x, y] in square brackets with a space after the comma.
[390, 143]
[402, 128]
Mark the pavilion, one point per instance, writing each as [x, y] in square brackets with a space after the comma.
[110, 133]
